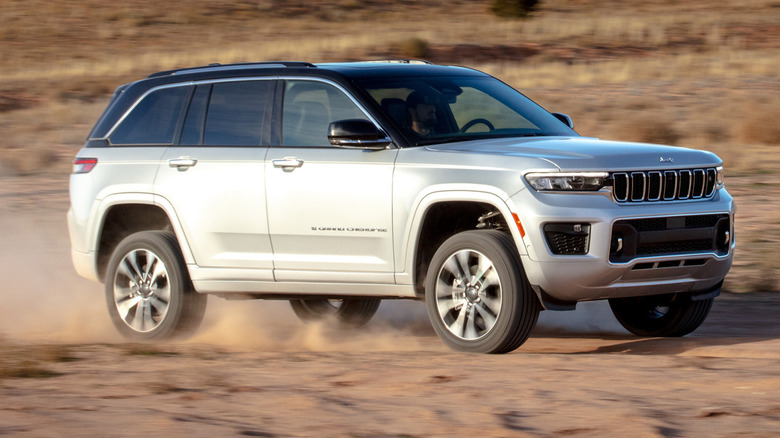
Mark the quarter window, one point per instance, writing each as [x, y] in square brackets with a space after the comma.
[154, 119]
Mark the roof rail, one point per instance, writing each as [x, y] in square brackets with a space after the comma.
[403, 61]
[236, 66]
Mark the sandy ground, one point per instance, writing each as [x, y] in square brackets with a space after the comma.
[254, 370]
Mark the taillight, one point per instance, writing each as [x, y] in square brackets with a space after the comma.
[84, 165]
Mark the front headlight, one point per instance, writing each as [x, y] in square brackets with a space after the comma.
[569, 182]
[719, 181]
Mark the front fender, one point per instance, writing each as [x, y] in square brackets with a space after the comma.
[408, 241]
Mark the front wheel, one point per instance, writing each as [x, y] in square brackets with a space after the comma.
[351, 312]
[668, 315]
[477, 295]
[148, 290]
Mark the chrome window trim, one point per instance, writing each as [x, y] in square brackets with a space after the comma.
[241, 79]
[178, 84]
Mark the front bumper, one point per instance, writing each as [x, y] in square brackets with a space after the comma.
[599, 272]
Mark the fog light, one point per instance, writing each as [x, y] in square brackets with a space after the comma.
[567, 239]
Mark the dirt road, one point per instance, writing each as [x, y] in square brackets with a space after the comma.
[254, 370]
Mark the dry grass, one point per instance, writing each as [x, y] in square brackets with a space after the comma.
[696, 73]
[32, 361]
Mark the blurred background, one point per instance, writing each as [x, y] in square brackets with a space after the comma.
[693, 73]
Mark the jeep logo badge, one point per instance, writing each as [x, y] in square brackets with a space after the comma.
[669, 160]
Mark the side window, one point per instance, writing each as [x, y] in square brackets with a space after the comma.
[192, 133]
[154, 119]
[309, 107]
[236, 112]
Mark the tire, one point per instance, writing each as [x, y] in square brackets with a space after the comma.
[350, 312]
[148, 289]
[661, 315]
[477, 295]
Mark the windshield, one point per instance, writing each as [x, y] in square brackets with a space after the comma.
[431, 110]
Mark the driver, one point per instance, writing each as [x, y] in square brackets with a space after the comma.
[422, 113]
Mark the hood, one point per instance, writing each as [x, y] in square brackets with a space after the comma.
[583, 153]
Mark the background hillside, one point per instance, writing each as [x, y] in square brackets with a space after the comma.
[691, 73]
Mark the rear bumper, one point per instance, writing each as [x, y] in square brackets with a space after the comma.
[84, 264]
[83, 258]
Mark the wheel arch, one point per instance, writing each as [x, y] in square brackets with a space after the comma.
[441, 215]
[120, 220]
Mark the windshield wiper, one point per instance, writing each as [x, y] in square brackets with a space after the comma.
[457, 138]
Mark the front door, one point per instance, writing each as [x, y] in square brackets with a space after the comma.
[329, 208]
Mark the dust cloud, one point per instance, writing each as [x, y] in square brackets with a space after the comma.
[272, 326]
[42, 299]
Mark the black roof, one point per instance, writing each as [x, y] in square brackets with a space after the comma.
[352, 70]
[335, 71]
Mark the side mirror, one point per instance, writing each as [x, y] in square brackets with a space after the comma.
[565, 119]
[358, 134]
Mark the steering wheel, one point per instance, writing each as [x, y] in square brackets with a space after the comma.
[477, 122]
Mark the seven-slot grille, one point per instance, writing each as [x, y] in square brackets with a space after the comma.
[664, 185]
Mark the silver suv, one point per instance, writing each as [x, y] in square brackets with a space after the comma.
[335, 186]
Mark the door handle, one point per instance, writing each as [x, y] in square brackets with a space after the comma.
[182, 163]
[288, 164]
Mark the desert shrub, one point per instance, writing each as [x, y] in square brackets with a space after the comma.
[414, 48]
[17, 161]
[13, 100]
[513, 8]
[25, 370]
[758, 124]
[647, 130]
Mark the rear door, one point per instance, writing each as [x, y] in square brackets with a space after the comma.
[329, 208]
[214, 177]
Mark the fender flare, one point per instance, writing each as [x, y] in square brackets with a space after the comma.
[422, 206]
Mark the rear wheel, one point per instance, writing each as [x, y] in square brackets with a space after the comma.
[352, 312]
[148, 290]
[661, 315]
[477, 295]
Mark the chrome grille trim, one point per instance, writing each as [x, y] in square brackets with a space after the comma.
[637, 193]
[620, 186]
[699, 180]
[655, 186]
[663, 185]
[685, 184]
[712, 181]
[670, 185]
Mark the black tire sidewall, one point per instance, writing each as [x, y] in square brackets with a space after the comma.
[186, 307]
[519, 308]
[683, 317]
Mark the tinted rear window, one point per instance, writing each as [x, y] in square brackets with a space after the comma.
[154, 119]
